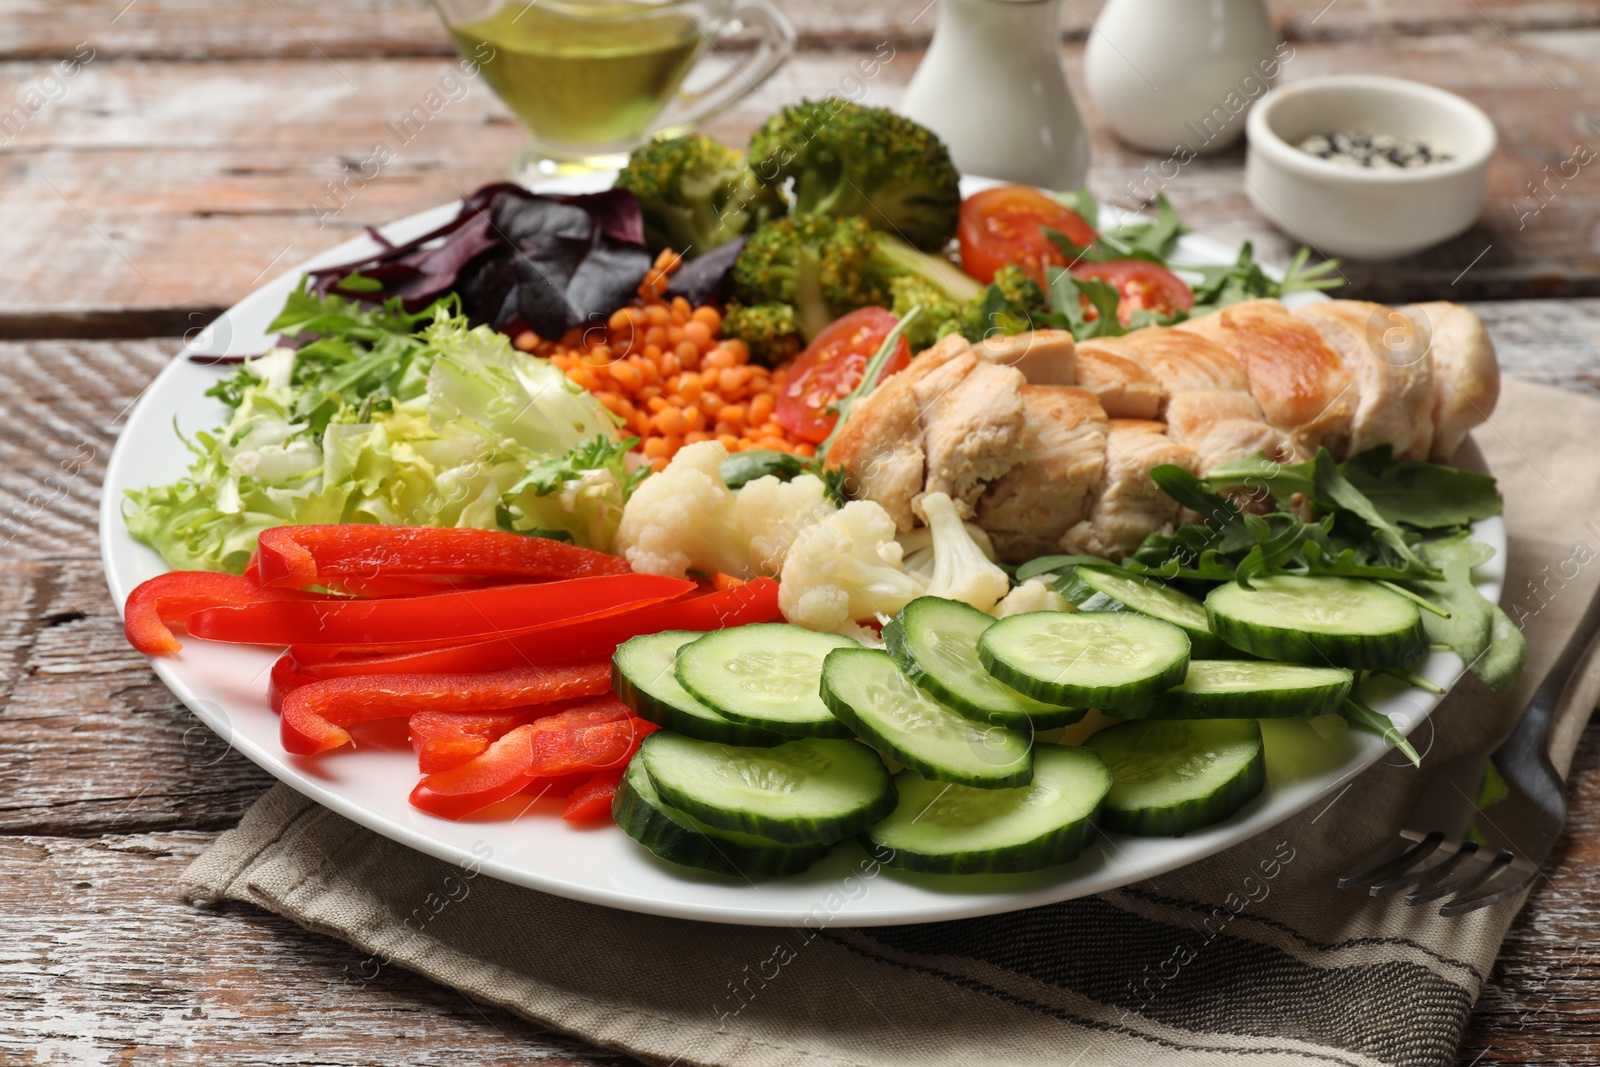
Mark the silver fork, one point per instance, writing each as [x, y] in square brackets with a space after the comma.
[1432, 857]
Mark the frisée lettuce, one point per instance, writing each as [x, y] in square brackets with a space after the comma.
[390, 417]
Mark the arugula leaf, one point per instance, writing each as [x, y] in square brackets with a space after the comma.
[1246, 280]
[1363, 717]
[1067, 311]
[1082, 202]
[1265, 478]
[742, 468]
[1333, 487]
[1057, 565]
[1152, 240]
[1477, 630]
[1428, 496]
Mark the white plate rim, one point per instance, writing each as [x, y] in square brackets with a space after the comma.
[844, 890]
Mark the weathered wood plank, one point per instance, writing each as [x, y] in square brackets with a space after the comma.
[152, 191]
[208, 29]
[104, 964]
[90, 741]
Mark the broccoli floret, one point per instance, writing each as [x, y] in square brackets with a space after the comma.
[860, 266]
[768, 329]
[939, 316]
[846, 159]
[782, 264]
[1013, 303]
[696, 193]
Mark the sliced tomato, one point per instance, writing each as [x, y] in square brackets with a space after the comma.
[1144, 286]
[830, 367]
[1006, 224]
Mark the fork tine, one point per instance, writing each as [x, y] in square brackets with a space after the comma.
[1479, 868]
[1454, 853]
[1386, 861]
[1507, 881]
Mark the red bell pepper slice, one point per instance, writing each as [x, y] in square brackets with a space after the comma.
[476, 615]
[755, 601]
[154, 607]
[293, 556]
[578, 740]
[591, 801]
[444, 739]
[314, 716]
[284, 679]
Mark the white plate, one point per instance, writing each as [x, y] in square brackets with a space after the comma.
[225, 687]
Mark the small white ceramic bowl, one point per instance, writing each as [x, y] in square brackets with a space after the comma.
[1357, 212]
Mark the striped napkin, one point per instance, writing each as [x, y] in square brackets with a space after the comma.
[1249, 957]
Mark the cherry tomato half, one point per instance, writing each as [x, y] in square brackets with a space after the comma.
[1006, 224]
[830, 367]
[1144, 286]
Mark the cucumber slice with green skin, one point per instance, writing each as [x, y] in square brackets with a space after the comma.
[764, 675]
[806, 791]
[1173, 776]
[1101, 589]
[1098, 659]
[684, 840]
[1338, 622]
[935, 641]
[1253, 689]
[952, 829]
[642, 673]
[869, 692]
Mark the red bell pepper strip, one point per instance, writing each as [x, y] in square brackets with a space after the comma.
[556, 745]
[755, 601]
[560, 785]
[173, 598]
[476, 615]
[283, 680]
[444, 739]
[293, 556]
[592, 800]
[314, 716]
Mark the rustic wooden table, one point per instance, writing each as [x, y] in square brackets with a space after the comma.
[201, 147]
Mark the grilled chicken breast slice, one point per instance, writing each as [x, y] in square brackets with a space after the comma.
[1386, 353]
[1051, 488]
[1466, 375]
[1045, 357]
[1301, 384]
[1125, 386]
[1129, 505]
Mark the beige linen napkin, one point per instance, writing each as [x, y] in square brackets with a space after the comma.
[1249, 957]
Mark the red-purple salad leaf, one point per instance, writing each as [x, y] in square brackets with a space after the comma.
[518, 259]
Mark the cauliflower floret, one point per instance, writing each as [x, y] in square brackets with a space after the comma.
[960, 569]
[918, 548]
[1035, 594]
[771, 513]
[845, 568]
[684, 518]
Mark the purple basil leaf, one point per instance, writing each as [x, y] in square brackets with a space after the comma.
[700, 281]
[615, 211]
[606, 280]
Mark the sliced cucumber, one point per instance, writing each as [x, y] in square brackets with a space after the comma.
[1251, 689]
[868, 691]
[1097, 659]
[685, 840]
[804, 791]
[935, 641]
[1173, 776]
[1339, 622]
[764, 675]
[1101, 589]
[642, 673]
[953, 829]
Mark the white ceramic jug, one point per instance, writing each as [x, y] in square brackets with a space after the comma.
[1170, 75]
[992, 87]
